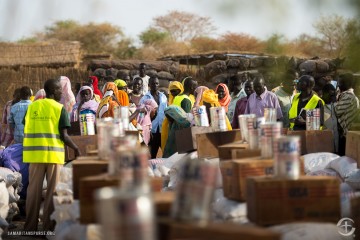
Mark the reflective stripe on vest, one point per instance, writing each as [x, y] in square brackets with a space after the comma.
[178, 99]
[42, 143]
[293, 113]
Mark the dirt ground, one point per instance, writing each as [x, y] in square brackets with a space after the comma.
[15, 232]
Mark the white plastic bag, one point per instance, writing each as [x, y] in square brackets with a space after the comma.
[353, 179]
[318, 161]
[227, 209]
[343, 165]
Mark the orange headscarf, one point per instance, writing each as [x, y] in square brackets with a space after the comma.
[123, 98]
[226, 100]
[108, 102]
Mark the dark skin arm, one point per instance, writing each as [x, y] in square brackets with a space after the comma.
[69, 142]
[136, 113]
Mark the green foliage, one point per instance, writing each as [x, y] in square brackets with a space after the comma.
[275, 44]
[153, 36]
[95, 38]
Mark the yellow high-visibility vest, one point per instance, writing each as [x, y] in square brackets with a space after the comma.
[313, 102]
[178, 99]
[42, 143]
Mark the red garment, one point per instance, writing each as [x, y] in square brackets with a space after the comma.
[95, 84]
[239, 110]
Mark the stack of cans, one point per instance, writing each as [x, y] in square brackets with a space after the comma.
[218, 119]
[253, 129]
[104, 127]
[126, 214]
[87, 124]
[195, 191]
[201, 117]
[243, 123]
[270, 114]
[313, 119]
[269, 132]
[286, 157]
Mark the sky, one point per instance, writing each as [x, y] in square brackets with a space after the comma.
[260, 18]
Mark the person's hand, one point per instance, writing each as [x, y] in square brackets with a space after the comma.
[142, 110]
[299, 121]
[77, 152]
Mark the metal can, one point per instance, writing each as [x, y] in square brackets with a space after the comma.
[254, 138]
[244, 126]
[269, 132]
[124, 113]
[201, 117]
[270, 114]
[218, 118]
[286, 157]
[103, 127]
[87, 124]
[126, 214]
[195, 191]
[141, 164]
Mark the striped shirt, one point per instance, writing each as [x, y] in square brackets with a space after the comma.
[346, 110]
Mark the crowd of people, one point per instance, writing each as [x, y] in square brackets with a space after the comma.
[40, 122]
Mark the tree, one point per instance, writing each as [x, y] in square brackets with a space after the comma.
[204, 44]
[275, 44]
[153, 36]
[95, 38]
[305, 46]
[332, 30]
[183, 26]
[241, 42]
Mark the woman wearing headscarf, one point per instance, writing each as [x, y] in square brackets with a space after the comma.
[177, 118]
[178, 99]
[223, 95]
[95, 83]
[41, 94]
[108, 102]
[122, 95]
[210, 99]
[199, 93]
[7, 134]
[84, 101]
[67, 97]
[150, 106]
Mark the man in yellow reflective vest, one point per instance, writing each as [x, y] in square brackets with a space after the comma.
[306, 100]
[45, 134]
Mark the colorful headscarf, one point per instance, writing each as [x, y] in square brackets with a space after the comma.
[95, 84]
[145, 122]
[91, 104]
[199, 91]
[67, 97]
[227, 98]
[109, 101]
[175, 85]
[41, 94]
[209, 96]
[120, 83]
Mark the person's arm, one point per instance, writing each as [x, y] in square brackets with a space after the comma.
[235, 122]
[64, 124]
[11, 121]
[321, 107]
[279, 114]
[136, 113]
[186, 105]
[69, 142]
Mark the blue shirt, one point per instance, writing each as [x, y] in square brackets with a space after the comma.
[17, 114]
[157, 122]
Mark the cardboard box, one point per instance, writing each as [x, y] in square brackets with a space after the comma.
[226, 150]
[314, 141]
[89, 185]
[86, 168]
[163, 202]
[353, 145]
[355, 215]
[234, 174]
[186, 138]
[208, 143]
[84, 143]
[276, 201]
[169, 229]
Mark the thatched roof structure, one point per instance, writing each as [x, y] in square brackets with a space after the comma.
[44, 54]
